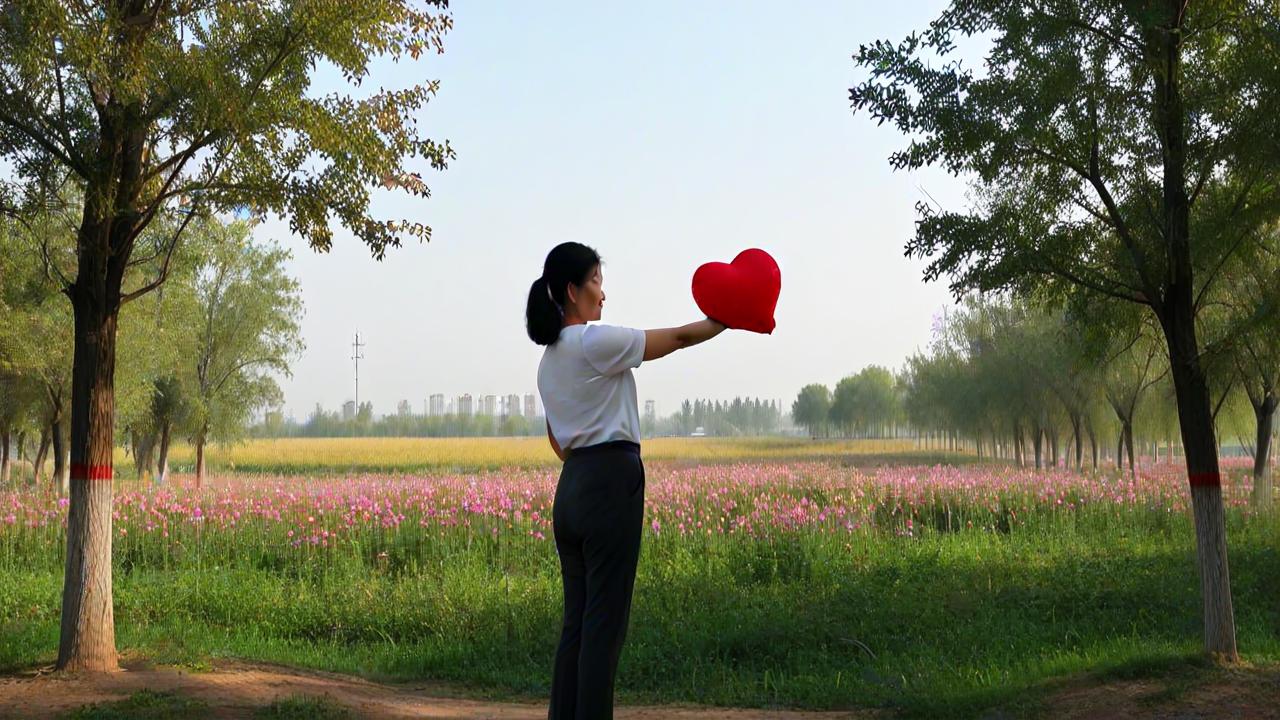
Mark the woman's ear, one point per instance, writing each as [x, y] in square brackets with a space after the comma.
[570, 295]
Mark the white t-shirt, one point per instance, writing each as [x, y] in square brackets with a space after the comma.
[587, 388]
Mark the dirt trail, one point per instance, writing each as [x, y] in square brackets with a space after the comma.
[235, 690]
[1243, 693]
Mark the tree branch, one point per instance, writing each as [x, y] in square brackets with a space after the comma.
[164, 268]
[1213, 274]
[1060, 271]
[47, 144]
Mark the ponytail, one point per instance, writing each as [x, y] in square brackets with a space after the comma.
[568, 262]
[542, 317]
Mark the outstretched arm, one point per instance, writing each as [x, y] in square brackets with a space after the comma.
[664, 341]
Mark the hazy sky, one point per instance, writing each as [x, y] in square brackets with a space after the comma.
[664, 134]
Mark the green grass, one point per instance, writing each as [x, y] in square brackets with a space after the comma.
[144, 705]
[948, 624]
[152, 705]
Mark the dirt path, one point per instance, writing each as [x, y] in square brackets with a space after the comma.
[1243, 693]
[236, 690]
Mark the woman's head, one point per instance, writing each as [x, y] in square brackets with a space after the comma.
[569, 291]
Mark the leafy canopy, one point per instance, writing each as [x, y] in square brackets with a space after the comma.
[154, 107]
[1089, 121]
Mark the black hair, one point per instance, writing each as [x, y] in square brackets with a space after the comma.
[568, 262]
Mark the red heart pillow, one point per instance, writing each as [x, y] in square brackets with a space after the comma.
[741, 294]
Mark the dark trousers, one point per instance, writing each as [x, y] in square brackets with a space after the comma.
[597, 516]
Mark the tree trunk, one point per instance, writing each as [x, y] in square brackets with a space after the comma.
[22, 451]
[1120, 451]
[141, 455]
[199, 459]
[162, 463]
[1017, 444]
[1128, 442]
[1037, 440]
[1093, 444]
[88, 640]
[1075, 434]
[1195, 419]
[42, 454]
[4, 457]
[1264, 413]
[61, 458]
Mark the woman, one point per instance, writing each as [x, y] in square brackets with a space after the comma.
[594, 427]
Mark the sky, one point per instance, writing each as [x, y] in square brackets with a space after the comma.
[666, 135]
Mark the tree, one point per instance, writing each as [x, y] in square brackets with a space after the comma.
[249, 309]
[1125, 345]
[686, 418]
[171, 410]
[1127, 148]
[152, 109]
[34, 340]
[866, 402]
[811, 408]
[843, 411]
[155, 339]
[19, 398]
[1252, 292]
[876, 406]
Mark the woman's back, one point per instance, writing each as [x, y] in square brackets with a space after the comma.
[587, 387]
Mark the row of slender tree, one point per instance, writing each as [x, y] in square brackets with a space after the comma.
[330, 423]
[195, 363]
[740, 416]
[1121, 155]
[1046, 386]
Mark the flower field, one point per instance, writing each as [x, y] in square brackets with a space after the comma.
[800, 581]
[306, 519]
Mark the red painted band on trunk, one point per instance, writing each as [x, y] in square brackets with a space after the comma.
[80, 471]
[1209, 479]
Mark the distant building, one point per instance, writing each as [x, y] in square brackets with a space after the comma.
[512, 405]
[489, 405]
[698, 432]
[650, 411]
[452, 409]
[530, 405]
[435, 405]
[464, 404]
[404, 409]
[349, 410]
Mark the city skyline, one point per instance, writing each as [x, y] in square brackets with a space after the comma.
[527, 405]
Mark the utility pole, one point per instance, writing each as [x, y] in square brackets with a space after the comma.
[355, 355]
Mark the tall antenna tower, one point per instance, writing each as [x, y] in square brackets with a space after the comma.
[357, 356]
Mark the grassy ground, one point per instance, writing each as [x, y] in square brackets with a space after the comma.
[152, 705]
[942, 624]
[941, 592]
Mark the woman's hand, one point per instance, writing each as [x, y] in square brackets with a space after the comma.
[664, 341]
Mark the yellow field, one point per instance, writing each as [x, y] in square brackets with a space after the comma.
[317, 455]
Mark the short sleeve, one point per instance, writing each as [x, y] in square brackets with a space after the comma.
[611, 349]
